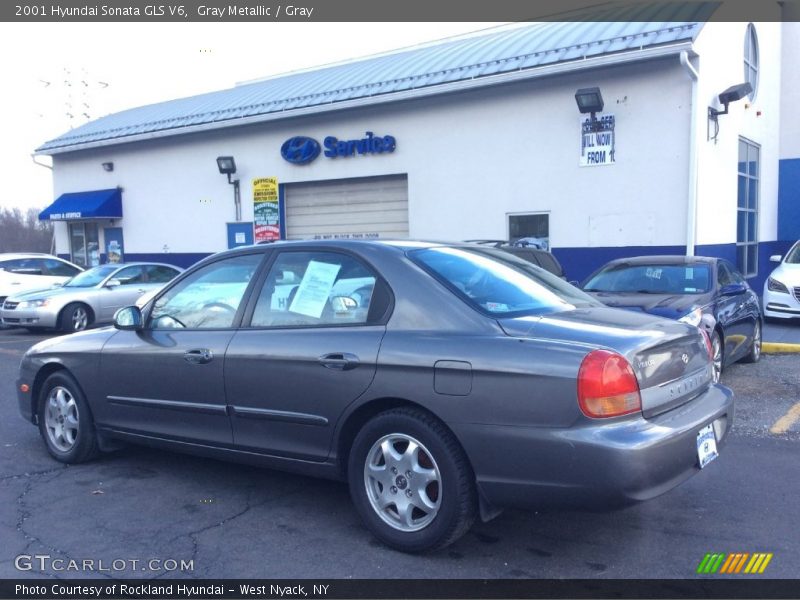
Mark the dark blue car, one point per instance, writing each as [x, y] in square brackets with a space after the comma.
[707, 292]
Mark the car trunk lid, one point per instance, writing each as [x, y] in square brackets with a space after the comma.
[670, 359]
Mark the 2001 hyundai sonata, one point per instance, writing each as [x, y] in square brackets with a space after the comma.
[443, 382]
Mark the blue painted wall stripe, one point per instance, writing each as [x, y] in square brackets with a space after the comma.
[789, 199]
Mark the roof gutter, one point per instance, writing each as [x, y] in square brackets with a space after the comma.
[691, 203]
[610, 60]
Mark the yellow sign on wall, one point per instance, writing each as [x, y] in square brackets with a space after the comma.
[266, 210]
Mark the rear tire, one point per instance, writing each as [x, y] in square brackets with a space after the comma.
[411, 482]
[65, 420]
[75, 317]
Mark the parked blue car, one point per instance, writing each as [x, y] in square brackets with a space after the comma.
[707, 292]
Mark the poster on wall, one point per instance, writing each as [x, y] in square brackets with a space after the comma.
[597, 141]
[266, 212]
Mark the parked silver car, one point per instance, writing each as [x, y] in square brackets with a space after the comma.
[443, 382]
[89, 298]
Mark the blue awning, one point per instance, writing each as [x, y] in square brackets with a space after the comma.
[97, 204]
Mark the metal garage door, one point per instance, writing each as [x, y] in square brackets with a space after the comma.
[366, 207]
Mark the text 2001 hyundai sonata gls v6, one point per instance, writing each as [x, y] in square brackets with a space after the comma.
[441, 381]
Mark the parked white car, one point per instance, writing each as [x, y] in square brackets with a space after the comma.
[26, 272]
[782, 287]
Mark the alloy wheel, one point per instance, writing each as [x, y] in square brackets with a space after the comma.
[61, 419]
[403, 482]
[80, 319]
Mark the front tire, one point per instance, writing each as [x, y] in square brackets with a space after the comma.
[411, 482]
[65, 421]
[75, 317]
[755, 349]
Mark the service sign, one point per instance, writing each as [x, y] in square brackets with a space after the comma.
[597, 141]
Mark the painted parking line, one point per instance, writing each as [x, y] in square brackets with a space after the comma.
[11, 351]
[785, 423]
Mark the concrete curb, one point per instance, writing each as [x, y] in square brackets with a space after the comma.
[778, 348]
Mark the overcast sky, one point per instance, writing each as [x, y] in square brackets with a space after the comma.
[55, 75]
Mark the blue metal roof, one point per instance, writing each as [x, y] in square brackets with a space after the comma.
[431, 67]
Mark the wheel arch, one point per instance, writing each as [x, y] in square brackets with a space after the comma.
[89, 311]
[45, 372]
[358, 418]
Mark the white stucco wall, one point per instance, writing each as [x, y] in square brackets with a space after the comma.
[720, 48]
[471, 158]
[790, 90]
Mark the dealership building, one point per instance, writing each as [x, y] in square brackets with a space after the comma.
[687, 144]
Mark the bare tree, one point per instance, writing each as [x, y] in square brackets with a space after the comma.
[23, 231]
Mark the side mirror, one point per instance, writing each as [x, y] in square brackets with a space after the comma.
[732, 289]
[128, 318]
[112, 283]
[775, 258]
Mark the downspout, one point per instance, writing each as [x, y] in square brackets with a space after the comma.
[53, 239]
[691, 203]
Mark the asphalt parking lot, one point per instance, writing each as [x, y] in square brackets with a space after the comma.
[230, 520]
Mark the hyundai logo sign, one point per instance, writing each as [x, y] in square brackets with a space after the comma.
[300, 150]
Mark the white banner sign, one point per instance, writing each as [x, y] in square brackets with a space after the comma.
[597, 141]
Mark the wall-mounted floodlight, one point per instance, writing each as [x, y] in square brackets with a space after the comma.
[589, 100]
[108, 166]
[732, 94]
[227, 166]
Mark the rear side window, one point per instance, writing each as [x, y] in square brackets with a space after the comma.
[307, 289]
[160, 274]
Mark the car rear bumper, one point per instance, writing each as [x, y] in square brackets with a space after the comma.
[601, 464]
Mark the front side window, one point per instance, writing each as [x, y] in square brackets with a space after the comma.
[24, 266]
[59, 268]
[130, 275]
[651, 279]
[160, 273]
[747, 207]
[305, 289]
[499, 283]
[751, 60]
[207, 299]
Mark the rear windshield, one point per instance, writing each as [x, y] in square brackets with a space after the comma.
[498, 283]
[651, 279]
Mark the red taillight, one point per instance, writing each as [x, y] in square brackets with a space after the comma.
[707, 340]
[607, 386]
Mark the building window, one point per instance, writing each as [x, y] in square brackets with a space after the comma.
[530, 230]
[747, 208]
[751, 60]
[84, 245]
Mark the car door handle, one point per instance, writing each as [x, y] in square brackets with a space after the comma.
[341, 361]
[200, 356]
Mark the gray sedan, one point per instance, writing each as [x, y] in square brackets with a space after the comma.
[442, 382]
[89, 298]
